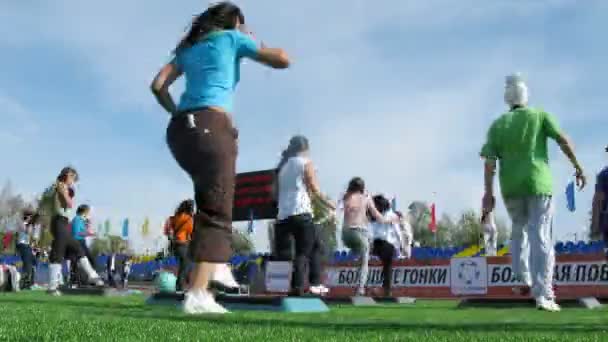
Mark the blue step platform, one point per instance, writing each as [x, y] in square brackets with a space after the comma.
[252, 303]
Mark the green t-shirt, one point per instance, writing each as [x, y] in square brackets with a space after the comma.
[518, 139]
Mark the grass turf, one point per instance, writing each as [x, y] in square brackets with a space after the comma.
[34, 316]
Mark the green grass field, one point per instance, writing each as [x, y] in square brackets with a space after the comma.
[34, 316]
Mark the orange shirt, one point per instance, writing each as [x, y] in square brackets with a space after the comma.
[183, 225]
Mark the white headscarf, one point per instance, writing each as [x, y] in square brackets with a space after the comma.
[516, 91]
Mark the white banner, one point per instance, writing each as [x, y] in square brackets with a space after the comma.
[278, 276]
[403, 276]
[565, 273]
[469, 276]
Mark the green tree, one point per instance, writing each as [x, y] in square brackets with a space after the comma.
[504, 233]
[468, 229]
[116, 244]
[241, 243]
[100, 246]
[327, 225]
[419, 216]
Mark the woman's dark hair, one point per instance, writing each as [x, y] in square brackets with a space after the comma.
[382, 204]
[28, 214]
[356, 185]
[63, 174]
[221, 16]
[186, 207]
[83, 208]
[297, 144]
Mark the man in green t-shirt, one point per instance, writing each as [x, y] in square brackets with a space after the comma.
[518, 141]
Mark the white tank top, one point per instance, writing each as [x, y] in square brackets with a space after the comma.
[293, 194]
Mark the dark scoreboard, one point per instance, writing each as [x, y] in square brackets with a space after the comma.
[254, 197]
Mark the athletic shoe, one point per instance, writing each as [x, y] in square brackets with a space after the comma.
[547, 305]
[223, 275]
[97, 282]
[54, 293]
[319, 290]
[201, 302]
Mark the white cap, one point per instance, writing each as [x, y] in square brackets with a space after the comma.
[516, 91]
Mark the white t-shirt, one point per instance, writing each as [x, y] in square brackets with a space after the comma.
[293, 194]
[23, 237]
[389, 232]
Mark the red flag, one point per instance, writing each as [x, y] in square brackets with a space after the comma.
[6, 241]
[433, 223]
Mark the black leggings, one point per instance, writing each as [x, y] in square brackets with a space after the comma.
[386, 252]
[63, 243]
[302, 230]
[181, 252]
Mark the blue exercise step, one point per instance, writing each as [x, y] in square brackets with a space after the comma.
[252, 303]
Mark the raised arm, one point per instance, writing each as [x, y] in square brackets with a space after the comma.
[273, 57]
[161, 83]
[371, 207]
[310, 178]
[64, 196]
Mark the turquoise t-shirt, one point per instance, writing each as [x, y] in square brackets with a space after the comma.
[212, 69]
[79, 227]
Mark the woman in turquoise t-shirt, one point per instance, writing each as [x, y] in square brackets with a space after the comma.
[202, 138]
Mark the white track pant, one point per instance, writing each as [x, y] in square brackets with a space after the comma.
[489, 240]
[489, 236]
[533, 214]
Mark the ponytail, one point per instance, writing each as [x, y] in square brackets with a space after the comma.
[221, 16]
[297, 144]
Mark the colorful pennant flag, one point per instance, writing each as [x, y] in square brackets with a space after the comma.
[107, 227]
[571, 197]
[145, 228]
[125, 229]
[433, 223]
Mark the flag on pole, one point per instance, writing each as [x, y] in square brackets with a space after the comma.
[571, 197]
[145, 228]
[394, 203]
[125, 229]
[433, 223]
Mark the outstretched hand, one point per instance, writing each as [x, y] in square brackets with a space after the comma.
[581, 180]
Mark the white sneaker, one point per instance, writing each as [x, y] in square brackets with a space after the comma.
[223, 275]
[547, 305]
[201, 302]
[54, 293]
[97, 282]
[319, 290]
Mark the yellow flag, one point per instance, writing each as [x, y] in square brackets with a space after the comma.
[145, 228]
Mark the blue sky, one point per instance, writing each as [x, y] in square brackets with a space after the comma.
[400, 94]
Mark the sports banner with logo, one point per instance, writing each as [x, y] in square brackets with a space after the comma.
[575, 276]
[278, 276]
